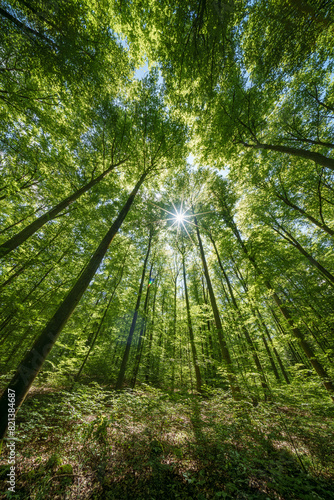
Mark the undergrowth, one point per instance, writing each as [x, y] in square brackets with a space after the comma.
[95, 443]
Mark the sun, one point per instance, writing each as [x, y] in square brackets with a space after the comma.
[180, 217]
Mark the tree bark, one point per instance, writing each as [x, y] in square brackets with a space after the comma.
[92, 344]
[141, 334]
[308, 216]
[149, 349]
[320, 370]
[265, 341]
[312, 260]
[248, 338]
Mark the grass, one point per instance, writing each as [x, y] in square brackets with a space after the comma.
[147, 444]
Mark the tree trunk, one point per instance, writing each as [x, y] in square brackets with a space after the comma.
[21, 220]
[310, 217]
[248, 338]
[301, 153]
[35, 358]
[76, 378]
[30, 261]
[271, 359]
[320, 370]
[17, 240]
[222, 342]
[312, 260]
[122, 369]
[174, 331]
[149, 349]
[191, 332]
[141, 334]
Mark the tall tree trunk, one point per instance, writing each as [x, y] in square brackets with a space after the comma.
[191, 332]
[122, 369]
[141, 333]
[92, 343]
[17, 240]
[21, 220]
[149, 349]
[30, 262]
[318, 367]
[174, 330]
[248, 338]
[12, 314]
[222, 342]
[308, 216]
[288, 237]
[35, 358]
[301, 153]
[160, 339]
[265, 340]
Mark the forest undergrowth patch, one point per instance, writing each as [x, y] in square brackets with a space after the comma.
[95, 443]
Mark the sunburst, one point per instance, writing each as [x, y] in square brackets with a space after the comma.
[180, 218]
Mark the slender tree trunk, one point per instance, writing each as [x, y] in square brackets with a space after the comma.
[248, 338]
[308, 216]
[24, 342]
[191, 332]
[141, 334]
[312, 260]
[26, 265]
[222, 342]
[92, 344]
[26, 29]
[271, 359]
[149, 349]
[122, 369]
[13, 312]
[174, 331]
[160, 340]
[262, 323]
[35, 358]
[17, 240]
[318, 367]
[21, 220]
[22, 301]
[301, 153]
[208, 324]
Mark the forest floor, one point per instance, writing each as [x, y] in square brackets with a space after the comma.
[147, 444]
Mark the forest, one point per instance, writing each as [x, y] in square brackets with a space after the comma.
[166, 249]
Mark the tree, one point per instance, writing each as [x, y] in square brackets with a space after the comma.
[190, 326]
[121, 374]
[222, 342]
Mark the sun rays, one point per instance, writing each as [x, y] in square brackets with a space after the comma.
[179, 218]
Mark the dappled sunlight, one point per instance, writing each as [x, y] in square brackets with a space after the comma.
[149, 440]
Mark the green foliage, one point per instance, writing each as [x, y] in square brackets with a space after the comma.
[179, 446]
[232, 125]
